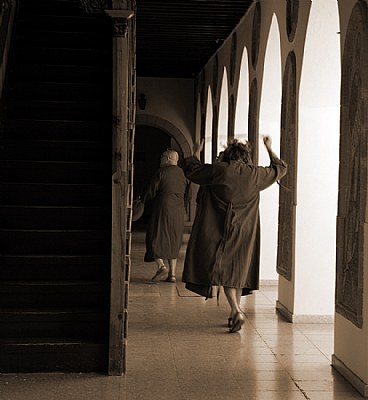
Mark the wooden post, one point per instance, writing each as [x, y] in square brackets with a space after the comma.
[121, 190]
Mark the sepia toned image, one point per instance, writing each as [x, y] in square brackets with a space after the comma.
[183, 198]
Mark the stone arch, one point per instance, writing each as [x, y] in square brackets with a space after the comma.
[231, 119]
[168, 127]
[292, 14]
[287, 199]
[233, 57]
[208, 130]
[215, 76]
[253, 119]
[256, 35]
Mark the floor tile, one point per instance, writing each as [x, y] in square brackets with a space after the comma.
[179, 348]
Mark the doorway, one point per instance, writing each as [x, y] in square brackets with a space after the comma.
[150, 143]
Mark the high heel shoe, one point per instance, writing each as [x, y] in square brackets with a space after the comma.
[237, 322]
[159, 272]
[229, 322]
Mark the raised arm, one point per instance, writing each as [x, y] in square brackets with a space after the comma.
[277, 169]
[267, 141]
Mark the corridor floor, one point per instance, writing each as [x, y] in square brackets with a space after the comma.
[179, 349]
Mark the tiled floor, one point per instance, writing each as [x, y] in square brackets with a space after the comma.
[179, 349]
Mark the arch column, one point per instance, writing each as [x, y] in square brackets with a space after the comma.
[122, 152]
[309, 143]
[351, 318]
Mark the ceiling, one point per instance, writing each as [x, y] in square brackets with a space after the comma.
[176, 38]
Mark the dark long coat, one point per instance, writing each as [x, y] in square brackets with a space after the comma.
[166, 225]
[224, 246]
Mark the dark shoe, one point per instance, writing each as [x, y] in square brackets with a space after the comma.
[160, 271]
[238, 322]
[229, 322]
[171, 279]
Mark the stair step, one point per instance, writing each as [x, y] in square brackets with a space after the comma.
[62, 56]
[56, 130]
[51, 194]
[53, 355]
[87, 323]
[53, 7]
[57, 91]
[70, 23]
[54, 172]
[32, 71]
[26, 295]
[47, 242]
[81, 218]
[46, 150]
[55, 267]
[58, 110]
[35, 341]
[64, 39]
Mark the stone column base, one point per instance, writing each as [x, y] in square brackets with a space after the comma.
[350, 376]
[303, 319]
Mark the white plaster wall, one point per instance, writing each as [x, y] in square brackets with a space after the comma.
[171, 100]
[318, 162]
[351, 346]
[351, 342]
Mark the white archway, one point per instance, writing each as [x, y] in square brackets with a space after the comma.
[242, 103]
[318, 162]
[269, 123]
[208, 128]
[222, 133]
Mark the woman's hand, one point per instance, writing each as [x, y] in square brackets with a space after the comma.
[267, 141]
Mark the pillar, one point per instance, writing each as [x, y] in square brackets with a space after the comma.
[122, 195]
[350, 356]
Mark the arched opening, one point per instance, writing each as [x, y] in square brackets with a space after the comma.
[269, 124]
[154, 135]
[150, 143]
[208, 128]
[318, 163]
[222, 133]
[242, 104]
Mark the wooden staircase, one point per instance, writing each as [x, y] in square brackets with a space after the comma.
[55, 191]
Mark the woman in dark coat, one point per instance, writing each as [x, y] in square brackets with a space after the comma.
[224, 246]
[166, 225]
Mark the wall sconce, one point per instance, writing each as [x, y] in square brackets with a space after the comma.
[142, 101]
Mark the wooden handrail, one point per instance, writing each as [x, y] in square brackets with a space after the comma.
[7, 15]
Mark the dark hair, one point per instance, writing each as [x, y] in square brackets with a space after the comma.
[237, 150]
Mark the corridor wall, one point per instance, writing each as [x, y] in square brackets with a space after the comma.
[308, 104]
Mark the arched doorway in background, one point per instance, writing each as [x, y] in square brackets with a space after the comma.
[150, 142]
